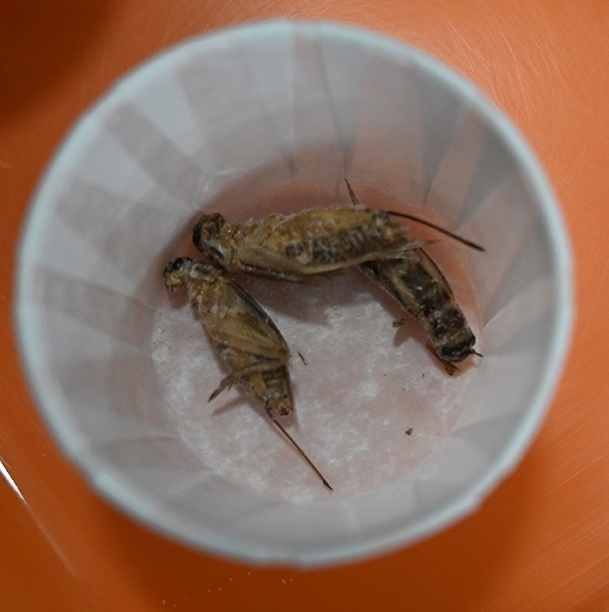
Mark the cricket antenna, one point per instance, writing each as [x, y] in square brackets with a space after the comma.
[464, 241]
[289, 437]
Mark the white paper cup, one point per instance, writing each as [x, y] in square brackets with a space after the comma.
[272, 117]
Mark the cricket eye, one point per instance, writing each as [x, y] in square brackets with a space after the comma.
[178, 264]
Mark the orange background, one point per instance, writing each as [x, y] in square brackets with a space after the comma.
[541, 541]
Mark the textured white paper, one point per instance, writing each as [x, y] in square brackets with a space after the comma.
[272, 118]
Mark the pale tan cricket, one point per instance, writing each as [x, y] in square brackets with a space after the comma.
[244, 335]
[303, 245]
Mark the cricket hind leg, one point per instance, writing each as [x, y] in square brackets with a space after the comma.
[409, 318]
[268, 382]
[229, 381]
[239, 376]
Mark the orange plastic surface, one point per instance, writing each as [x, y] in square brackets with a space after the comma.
[540, 542]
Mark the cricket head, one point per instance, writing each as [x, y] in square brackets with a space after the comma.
[177, 272]
[213, 236]
[461, 347]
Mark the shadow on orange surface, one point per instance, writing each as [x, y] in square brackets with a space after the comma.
[39, 40]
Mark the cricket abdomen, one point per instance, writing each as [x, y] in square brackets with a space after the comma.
[273, 389]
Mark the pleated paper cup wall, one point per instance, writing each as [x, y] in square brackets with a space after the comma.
[273, 117]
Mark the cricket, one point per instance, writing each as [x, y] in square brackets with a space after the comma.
[419, 286]
[245, 337]
[298, 247]
[416, 282]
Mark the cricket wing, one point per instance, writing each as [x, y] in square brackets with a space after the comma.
[393, 278]
[319, 241]
[269, 263]
[247, 328]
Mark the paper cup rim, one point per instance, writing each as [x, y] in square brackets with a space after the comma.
[536, 183]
